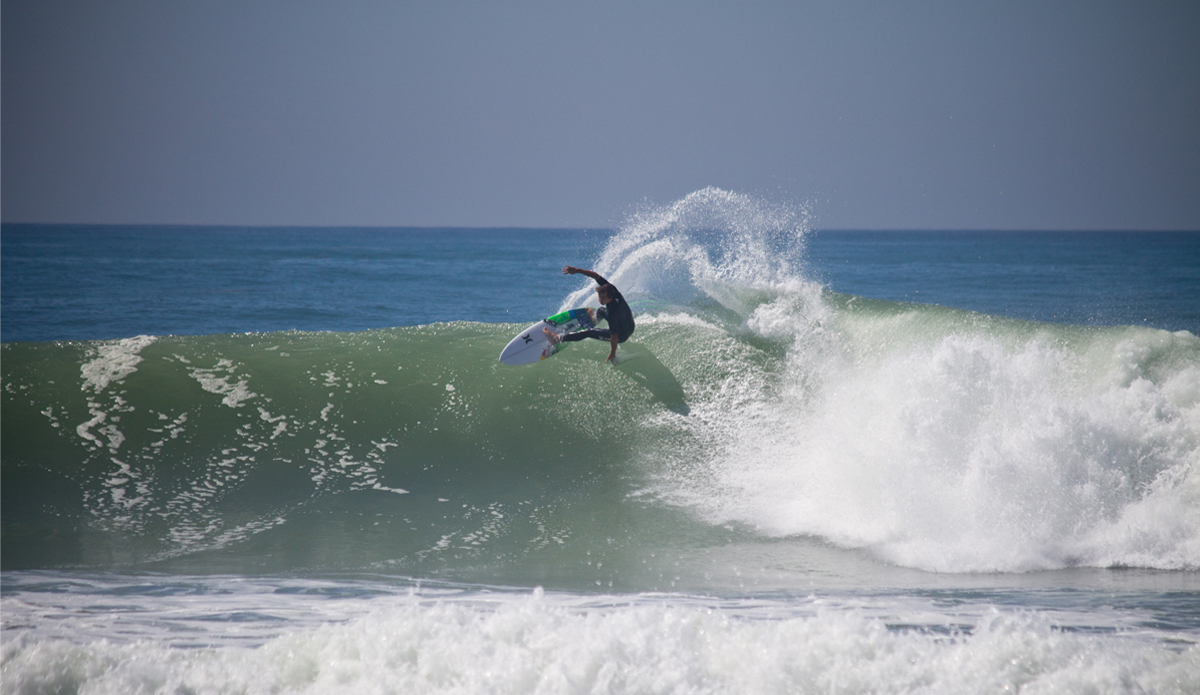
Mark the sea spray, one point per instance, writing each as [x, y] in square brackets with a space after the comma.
[937, 438]
[713, 248]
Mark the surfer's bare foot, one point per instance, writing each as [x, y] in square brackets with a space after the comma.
[551, 336]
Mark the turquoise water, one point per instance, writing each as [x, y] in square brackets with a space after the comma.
[794, 479]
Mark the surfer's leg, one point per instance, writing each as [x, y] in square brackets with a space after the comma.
[597, 333]
[552, 336]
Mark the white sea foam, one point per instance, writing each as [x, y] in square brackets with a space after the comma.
[112, 361]
[108, 362]
[936, 438]
[971, 450]
[540, 644]
[218, 380]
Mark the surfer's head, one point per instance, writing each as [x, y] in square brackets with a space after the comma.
[604, 293]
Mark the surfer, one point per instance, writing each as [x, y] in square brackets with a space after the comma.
[614, 309]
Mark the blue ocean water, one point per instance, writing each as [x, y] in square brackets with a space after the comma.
[1084, 278]
[88, 283]
[276, 460]
[64, 282]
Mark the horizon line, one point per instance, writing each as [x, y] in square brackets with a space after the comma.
[964, 230]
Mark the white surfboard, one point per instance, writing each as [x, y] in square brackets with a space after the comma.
[532, 345]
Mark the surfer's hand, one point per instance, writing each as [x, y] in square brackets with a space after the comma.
[570, 270]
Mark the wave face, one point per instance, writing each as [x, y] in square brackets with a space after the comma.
[753, 409]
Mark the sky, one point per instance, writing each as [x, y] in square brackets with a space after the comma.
[872, 115]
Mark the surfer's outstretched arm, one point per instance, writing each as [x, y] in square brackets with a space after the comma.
[572, 270]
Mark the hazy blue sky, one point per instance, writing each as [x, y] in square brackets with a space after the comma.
[1009, 115]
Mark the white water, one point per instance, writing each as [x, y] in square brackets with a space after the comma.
[977, 450]
[937, 439]
[362, 638]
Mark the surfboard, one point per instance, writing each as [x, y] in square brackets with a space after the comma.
[531, 345]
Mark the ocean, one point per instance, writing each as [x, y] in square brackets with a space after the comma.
[275, 460]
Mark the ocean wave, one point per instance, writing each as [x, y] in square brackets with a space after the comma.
[752, 404]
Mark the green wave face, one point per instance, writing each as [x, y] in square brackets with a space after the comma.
[408, 449]
[928, 437]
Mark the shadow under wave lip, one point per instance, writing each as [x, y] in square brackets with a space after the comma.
[641, 364]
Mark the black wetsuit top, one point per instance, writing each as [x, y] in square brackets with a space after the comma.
[618, 314]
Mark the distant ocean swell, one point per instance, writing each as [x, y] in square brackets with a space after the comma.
[751, 404]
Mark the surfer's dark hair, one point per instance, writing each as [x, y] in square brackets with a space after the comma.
[606, 288]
